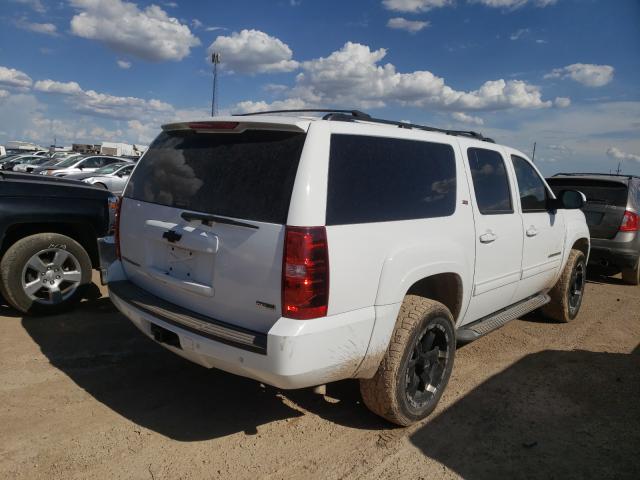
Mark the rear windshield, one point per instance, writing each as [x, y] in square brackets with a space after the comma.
[596, 191]
[246, 175]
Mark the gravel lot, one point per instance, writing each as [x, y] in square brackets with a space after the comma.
[85, 395]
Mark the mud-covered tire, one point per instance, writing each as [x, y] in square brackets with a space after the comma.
[631, 276]
[14, 269]
[565, 305]
[389, 393]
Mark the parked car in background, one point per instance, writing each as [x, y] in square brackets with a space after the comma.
[78, 164]
[27, 164]
[299, 252]
[48, 240]
[612, 211]
[112, 177]
[3, 151]
[17, 160]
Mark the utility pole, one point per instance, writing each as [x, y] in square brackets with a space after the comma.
[619, 169]
[533, 157]
[215, 59]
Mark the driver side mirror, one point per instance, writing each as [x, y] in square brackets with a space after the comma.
[572, 199]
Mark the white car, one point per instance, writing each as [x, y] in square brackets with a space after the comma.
[79, 164]
[299, 251]
[112, 177]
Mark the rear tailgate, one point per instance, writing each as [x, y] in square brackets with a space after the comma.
[202, 222]
[606, 202]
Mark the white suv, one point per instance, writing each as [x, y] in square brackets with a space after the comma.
[299, 251]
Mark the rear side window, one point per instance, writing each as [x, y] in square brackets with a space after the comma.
[373, 179]
[533, 193]
[490, 181]
[247, 175]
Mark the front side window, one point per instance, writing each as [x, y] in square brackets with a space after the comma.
[93, 162]
[490, 181]
[533, 193]
[375, 179]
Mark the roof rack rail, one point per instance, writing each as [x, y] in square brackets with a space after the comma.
[357, 115]
[628, 175]
[329, 111]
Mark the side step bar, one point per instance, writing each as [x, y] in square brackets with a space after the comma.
[477, 329]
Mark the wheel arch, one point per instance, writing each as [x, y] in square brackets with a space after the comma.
[84, 234]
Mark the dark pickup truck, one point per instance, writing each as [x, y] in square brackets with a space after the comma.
[48, 230]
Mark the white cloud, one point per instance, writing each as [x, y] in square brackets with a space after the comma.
[35, 5]
[45, 28]
[102, 104]
[15, 79]
[587, 74]
[517, 35]
[170, 4]
[288, 104]
[124, 64]
[353, 76]
[411, 26]
[213, 29]
[562, 102]
[513, 4]
[196, 23]
[415, 6]
[464, 118]
[4, 93]
[64, 88]
[253, 51]
[618, 154]
[149, 34]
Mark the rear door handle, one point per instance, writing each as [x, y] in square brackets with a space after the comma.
[488, 237]
[532, 231]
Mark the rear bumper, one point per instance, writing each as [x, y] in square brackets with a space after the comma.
[615, 254]
[296, 353]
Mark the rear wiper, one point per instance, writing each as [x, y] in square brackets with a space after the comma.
[209, 219]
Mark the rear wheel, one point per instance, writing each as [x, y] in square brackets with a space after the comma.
[632, 275]
[566, 295]
[417, 365]
[44, 273]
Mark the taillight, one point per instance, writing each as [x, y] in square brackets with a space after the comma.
[630, 222]
[305, 273]
[116, 227]
[213, 125]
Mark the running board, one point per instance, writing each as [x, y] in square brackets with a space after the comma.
[477, 329]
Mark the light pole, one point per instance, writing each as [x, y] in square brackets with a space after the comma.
[215, 59]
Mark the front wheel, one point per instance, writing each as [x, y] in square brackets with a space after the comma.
[417, 365]
[44, 273]
[566, 295]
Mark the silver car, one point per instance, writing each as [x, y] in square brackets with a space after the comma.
[112, 177]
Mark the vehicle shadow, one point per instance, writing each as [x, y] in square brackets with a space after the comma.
[552, 414]
[103, 353]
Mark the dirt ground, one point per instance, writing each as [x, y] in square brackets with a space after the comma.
[85, 395]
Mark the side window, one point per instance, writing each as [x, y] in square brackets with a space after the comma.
[93, 162]
[533, 194]
[374, 179]
[126, 170]
[107, 161]
[490, 181]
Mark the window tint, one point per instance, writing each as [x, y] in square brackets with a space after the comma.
[597, 191]
[126, 170]
[374, 179]
[245, 175]
[93, 162]
[490, 181]
[533, 193]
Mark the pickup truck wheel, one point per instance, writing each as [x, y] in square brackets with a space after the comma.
[631, 276]
[566, 295]
[44, 273]
[417, 365]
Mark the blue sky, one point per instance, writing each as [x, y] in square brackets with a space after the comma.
[563, 73]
